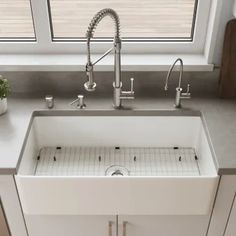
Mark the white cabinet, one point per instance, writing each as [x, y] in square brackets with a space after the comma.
[163, 225]
[231, 226]
[223, 220]
[4, 228]
[111, 225]
[11, 206]
[71, 225]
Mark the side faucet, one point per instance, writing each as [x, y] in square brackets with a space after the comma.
[179, 94]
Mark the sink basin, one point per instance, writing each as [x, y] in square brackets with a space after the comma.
[117, 162]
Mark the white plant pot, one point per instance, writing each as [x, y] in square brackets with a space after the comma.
[3, 105]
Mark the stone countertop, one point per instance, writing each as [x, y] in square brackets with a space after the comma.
[220, 116]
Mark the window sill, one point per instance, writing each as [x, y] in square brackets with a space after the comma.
[130, 62]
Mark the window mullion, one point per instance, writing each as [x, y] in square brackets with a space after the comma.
[41, 23]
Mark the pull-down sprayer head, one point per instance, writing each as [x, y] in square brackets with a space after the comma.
[90, 85]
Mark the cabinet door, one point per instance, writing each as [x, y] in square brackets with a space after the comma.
[231, 226]
[224, 213]
[3, 223]
[70, 225]
[163, 225]
[11, 208]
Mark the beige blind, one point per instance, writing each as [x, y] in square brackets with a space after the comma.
[139, 18]
[16, 19]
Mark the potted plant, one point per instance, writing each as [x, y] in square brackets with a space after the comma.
[4, 92]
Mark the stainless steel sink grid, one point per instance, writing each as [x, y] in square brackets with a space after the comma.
[95, 161]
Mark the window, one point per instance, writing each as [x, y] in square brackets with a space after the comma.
[155, 27]
[16, 20]
[140, 19]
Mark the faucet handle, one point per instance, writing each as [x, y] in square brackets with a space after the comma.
[188, 88]
[128, 94]
[132, 85]
[186, 95]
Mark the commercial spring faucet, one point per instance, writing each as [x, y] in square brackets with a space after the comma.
[90, 85]
[179, 94]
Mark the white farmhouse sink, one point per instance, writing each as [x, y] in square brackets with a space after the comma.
[69, 160]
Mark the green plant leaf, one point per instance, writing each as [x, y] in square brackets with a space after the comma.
[4, 87]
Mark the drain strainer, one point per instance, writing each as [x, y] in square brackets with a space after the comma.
[116, 170]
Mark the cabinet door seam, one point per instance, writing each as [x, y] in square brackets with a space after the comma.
[213, 207]
[22, 213]
[230, 212]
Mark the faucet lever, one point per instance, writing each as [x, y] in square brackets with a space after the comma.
[132, 85]
[186, 95]
[188, 88]
[128, 94]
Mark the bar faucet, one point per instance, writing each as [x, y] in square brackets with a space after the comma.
[179, 95]
[90, 85]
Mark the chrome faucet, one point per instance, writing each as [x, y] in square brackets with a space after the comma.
[90, 85]
[179, 94]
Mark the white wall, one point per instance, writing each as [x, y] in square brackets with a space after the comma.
[227, 13]
[235, 8]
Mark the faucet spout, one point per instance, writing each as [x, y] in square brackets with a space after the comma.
[180, 73]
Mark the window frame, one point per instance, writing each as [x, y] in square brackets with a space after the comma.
[45, 45]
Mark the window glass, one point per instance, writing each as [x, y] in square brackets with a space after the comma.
[139, 18]
[16, 19]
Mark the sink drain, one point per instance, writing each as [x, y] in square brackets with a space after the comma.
[115, 170]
